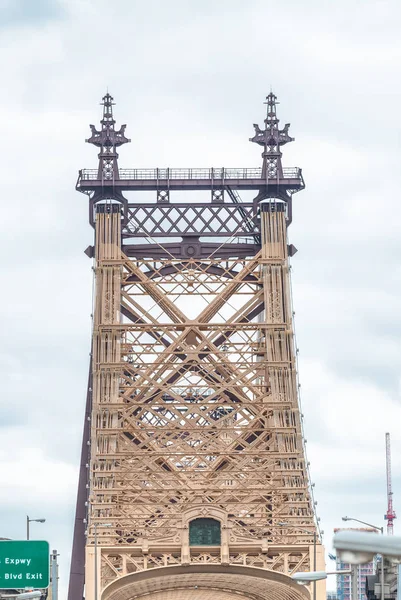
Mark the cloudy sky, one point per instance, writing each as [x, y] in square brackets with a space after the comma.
[189, 79]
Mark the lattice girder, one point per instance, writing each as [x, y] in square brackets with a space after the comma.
[199, 409]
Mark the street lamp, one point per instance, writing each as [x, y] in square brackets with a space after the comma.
[28, 520]
[311, 577]
[382, 557]
[364, 523]
[359, 547]
[305, 578]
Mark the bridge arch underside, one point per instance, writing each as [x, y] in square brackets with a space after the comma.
[205, 582]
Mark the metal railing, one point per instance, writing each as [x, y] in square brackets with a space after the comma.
[218, 174]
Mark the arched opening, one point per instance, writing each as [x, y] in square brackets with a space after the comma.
[204, 532]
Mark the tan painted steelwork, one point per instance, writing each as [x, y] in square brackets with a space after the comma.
[193, 392]
[205, 582]
[195, 414]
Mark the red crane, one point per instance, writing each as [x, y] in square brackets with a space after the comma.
[390, 514]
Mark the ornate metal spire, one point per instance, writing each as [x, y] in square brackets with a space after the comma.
[108, 139]
[271, 138]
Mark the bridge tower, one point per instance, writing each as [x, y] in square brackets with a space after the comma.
[193, 482]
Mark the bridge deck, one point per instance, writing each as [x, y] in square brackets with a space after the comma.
[190, 179]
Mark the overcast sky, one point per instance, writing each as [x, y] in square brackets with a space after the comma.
[189, 79]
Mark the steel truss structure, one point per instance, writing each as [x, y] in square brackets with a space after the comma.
[192, 408]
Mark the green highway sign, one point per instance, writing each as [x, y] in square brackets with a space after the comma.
[24, 564]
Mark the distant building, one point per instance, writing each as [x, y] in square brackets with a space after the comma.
[344, 591]
[331, 596]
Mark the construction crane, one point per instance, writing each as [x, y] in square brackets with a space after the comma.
[390, 514]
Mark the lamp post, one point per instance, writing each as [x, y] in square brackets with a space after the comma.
[359, 547]
[381, 529]
[312, 577]
[28, 520]
[306, 578]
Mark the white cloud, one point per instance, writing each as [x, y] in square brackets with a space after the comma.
[27, 473]
[343, 407]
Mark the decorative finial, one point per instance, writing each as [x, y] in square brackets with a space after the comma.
[271, 138]
[108, 139]
[107, 103]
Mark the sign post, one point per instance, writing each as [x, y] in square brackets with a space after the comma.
[24, 564]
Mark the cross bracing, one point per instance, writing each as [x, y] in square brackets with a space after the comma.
[193, 397]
